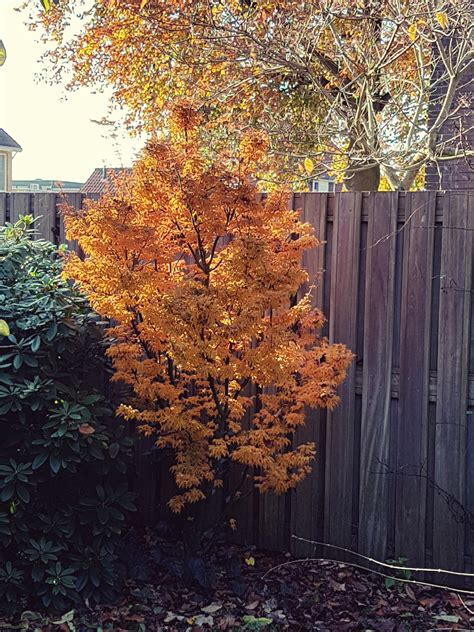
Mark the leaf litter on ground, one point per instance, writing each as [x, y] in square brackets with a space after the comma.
[301, 596]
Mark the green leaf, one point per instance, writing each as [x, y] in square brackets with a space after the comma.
[95, 579]
[39, 460]
[37, 573]
[66, 618]
[4, 328]
[7, 493]
[23, 493]
[35, 343]
[103, 515]
[55, 463]
[448, 618]
[114, 449]
[30, 360]
[91, 399]
[5, 408]
[389, 582]
[51, 332]
[81, 582]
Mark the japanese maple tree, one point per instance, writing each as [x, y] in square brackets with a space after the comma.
[200, 276]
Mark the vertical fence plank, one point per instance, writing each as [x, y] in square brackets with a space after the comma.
[272, 532]
[241, 485]
[377, 374]
[44, 210]
[274, 510]
[307, 503]
[145, 479]
[451, 400]
[343, 329]
[75, 200]
[3, 206]
[19, 205]
[414, 376]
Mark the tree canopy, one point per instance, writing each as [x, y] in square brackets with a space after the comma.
[344, 86]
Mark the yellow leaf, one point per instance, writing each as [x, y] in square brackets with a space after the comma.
[412, 30]
[442, 19]
[250, 561]
[308, 165]
[4, 328]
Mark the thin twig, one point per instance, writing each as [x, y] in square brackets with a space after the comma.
[384, 564]
[363, 568]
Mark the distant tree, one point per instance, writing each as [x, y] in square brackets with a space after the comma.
[201, 279]
[344, 85]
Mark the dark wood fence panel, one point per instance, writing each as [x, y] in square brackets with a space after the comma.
[3, 204]
[343, 328]
[393, 473]
[414, 377]
[377, 373]
[451, 397]
[307, 502]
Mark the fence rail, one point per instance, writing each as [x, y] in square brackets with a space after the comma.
[393, 475]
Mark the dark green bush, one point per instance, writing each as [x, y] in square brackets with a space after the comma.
[63, 491]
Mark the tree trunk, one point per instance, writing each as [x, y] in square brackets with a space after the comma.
[362, 179]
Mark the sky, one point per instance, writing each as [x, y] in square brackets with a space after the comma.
[53, 126]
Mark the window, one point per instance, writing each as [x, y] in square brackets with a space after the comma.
[330, 186]
[314, 186]
[3, 172]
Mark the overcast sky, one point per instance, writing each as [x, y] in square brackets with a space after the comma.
[53, 127]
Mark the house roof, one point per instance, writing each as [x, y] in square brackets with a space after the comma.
[100, 179]
[46, 185]
[8, 142]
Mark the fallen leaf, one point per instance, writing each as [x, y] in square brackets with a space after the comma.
[409, 592]
[213, 607]
[270, 605]
[448, 618]
[336, 586]
[453, 600]
[428, 602]
[250, 561]
[203, 620]
[252, 605]
[170, 617]
[227, 621]
[135, 617]
[86, 429]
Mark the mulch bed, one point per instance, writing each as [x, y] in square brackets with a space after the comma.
[250, 591]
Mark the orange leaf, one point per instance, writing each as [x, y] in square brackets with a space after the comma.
[86, 429]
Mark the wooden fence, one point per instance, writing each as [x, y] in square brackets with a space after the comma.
[394, 475]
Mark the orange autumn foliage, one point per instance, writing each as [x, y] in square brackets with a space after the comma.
[342, 85]
[199, 276]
